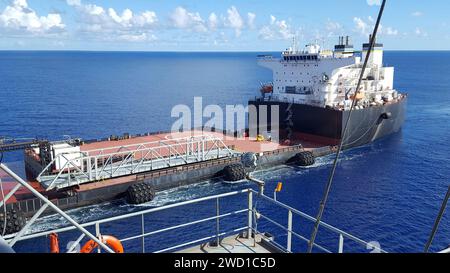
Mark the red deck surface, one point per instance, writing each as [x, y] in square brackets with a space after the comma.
[9, 183]
[240, 144]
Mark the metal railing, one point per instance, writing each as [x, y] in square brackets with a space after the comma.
[250, 225]
[144, 234]
[341, 235]
[13, 239]
[100, 164]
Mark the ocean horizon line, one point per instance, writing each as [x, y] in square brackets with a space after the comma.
[195, 51]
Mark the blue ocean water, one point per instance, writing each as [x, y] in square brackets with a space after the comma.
[389, 191]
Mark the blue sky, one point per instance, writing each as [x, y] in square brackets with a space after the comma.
[217, 25]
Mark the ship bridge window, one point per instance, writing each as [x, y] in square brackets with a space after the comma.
[290, 89]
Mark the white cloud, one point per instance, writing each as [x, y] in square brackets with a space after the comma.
[73, 2]
[417, 14]
[19, 18]
[251, 20]
[124, 26]
[123, 19]
[374, 2]
[234, 20]
[419, 32]
[182, 18]
[276, 30]
[333, 28]
[390, 31]
[137, 38]
[213, 21]
[361, 26]
[365, 28]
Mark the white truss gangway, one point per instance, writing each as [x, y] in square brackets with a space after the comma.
[111, 162]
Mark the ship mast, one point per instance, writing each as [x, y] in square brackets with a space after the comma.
[341, 145]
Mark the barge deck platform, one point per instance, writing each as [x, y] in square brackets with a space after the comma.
[181, 157]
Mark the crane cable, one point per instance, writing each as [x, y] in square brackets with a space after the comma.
[438, 221]
[341, 145]
[3, 230]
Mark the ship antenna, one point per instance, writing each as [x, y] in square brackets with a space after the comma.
[341, 144]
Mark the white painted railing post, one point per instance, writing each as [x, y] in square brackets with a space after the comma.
[289, 235]
[250, 214]
[143, 232]
[98, 235]
[217, 221]
[341, 243]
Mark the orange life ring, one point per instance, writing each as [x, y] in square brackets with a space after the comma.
[110, 241]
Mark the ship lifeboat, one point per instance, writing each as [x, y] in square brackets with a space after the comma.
[358, 96]
[267, 89]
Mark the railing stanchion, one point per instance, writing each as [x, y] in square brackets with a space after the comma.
[143, 232]
[341, 243]
[289, 235]
[98, 235]
[217, 221]
[250, 214]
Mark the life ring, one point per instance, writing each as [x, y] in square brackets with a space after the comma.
[110, 241]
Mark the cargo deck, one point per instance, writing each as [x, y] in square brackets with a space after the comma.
[108, 167]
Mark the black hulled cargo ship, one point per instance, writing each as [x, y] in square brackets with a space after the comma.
[312, 92]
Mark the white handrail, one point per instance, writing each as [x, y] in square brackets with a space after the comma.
[54, 207]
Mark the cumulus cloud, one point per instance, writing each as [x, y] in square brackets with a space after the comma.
[391, 31]
[124, 26]
[374, 2]
[333, 28]
[213, 21]
[251, 20]
[419, 32]
[19, 18]
[365, 27]
[234, 20]
[276, 30]
[183, 19]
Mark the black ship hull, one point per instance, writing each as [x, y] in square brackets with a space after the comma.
[326, 126]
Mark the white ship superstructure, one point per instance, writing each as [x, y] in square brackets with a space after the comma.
[326, 78]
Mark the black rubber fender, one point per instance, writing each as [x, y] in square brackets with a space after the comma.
[305, 159]
[234, 172]
[15, 221]
[140, 193]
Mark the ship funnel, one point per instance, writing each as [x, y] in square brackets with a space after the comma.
[344, 48]
[376, 57]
